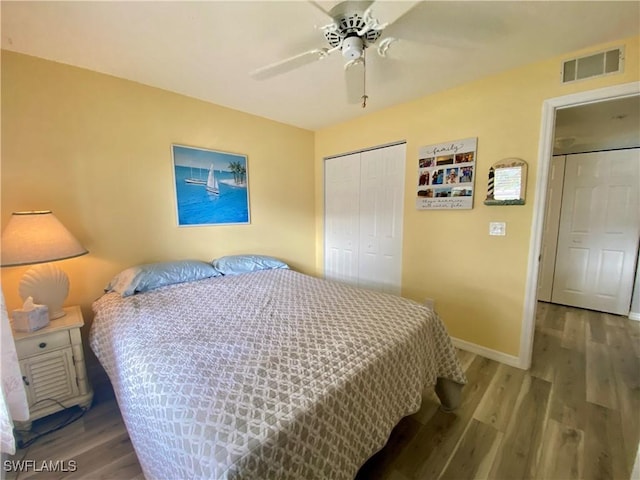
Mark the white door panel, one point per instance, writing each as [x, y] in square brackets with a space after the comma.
[381, 212]
[342, 186]
[599, 228]
[608, 273]
[575, 273]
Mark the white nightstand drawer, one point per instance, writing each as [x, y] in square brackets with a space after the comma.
[27, 347]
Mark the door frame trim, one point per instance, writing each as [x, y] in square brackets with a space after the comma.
[368, 149]
[545, 152]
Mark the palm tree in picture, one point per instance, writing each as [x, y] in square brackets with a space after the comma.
[233, 166]
[238, 171]
[242, 173]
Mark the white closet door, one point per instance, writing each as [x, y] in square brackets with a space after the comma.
[381, 215]
[341, 206]
[599, 227]
[364, 202]
[550, 232]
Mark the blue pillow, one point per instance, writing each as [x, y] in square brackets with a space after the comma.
[236, 264]
[143, 278]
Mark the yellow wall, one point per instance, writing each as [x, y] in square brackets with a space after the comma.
[97, 151]
[478, 281]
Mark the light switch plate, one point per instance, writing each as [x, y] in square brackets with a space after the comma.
[497, 228]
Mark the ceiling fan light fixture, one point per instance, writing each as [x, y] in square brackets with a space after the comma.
[352, 48]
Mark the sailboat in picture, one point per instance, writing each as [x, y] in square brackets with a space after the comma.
[195, 180]
[212, 183]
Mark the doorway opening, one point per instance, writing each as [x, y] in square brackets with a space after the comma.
[546, 144]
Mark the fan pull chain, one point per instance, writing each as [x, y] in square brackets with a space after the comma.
[365, 97]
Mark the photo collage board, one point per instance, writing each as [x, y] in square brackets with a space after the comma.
[446, 174]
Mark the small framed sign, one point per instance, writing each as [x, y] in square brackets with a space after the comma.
[507, 182]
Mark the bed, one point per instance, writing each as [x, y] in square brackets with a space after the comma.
[270, 374]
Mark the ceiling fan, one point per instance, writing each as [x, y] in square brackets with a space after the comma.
[355, 26]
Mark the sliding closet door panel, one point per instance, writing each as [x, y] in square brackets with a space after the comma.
[342, 193]
[381, 216]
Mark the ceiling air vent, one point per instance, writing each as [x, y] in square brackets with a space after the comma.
[594, 65]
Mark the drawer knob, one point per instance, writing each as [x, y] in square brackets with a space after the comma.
[24, 379]
[42, 345]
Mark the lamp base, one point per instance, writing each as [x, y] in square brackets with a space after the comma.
[47, 285]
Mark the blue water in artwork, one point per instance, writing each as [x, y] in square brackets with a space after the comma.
[196, 206]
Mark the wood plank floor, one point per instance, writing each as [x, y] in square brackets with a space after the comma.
[574, 415]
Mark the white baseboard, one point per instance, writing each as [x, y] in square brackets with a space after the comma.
[501, 357]
[634, 316]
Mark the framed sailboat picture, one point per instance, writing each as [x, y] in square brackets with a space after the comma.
[212, 187]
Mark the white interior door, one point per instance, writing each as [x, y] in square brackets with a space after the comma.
[599, 228]
[550, 231]
[341, 206]
[364, 204]
[381, 212]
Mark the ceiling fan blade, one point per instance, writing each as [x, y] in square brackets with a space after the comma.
[354, 80]
[319, 7]
[384, 70]
[389, 12]
[289, 64]
[449, 25]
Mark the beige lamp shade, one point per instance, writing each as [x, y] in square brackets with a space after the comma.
[38, 237]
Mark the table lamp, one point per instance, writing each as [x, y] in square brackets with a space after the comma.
[38, 237]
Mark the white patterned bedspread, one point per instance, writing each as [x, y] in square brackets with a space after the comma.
[267, 375]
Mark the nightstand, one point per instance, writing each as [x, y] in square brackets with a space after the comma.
[52, 365]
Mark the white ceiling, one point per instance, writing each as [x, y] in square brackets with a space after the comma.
[207, 49]
[598, 126]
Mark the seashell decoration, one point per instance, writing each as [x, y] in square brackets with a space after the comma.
[48, 285]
